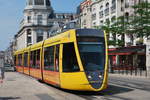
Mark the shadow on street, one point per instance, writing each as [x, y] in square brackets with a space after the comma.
[9, 98]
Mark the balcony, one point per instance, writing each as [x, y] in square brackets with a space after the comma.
[35, 22]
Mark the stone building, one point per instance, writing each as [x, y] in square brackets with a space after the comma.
[39, 18]
[97, 12]
[85, 14]
[130, 59]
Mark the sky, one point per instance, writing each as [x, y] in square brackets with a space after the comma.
[11, 13]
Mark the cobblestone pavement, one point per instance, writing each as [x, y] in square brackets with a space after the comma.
[17, 86]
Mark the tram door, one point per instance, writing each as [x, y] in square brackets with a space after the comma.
[51, 65]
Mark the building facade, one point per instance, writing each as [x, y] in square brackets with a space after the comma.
[85, 14]
[130, 59]
[39, 18]
[95, 13]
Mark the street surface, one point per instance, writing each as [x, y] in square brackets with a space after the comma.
[17, 86]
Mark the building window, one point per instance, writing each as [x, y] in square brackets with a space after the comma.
[39, 2]
[101, 14]
[107, 9]
[40, 19]
[113, 1]
[101, 22]
[93, 16]
[84, 22]
[127, 3]
[39, 35]
[107, 21]
[29, 19]
[30, 2]
[29, 37]
[113, 7]
[94, 24]
[48, 3]
[122, 5]
[101, 7]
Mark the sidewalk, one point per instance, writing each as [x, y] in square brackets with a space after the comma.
[128, 76]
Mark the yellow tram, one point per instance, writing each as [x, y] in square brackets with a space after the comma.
[76, 59]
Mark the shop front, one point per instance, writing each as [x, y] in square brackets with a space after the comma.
[128, 60]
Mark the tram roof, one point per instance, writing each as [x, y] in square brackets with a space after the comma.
[90, 32]
[79, 33]
[36, 46]
[19, 51]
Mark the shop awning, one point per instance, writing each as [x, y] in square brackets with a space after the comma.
[123, 53]
[128, 50]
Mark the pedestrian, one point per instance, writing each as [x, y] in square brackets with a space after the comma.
[1, 74]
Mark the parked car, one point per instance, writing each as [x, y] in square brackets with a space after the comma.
[9, 67]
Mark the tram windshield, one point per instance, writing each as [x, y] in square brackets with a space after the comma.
[92, 55]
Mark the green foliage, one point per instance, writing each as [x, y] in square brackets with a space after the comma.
[136, 25]
[117, 27]
[112, 42]
[120, 43]
[141, 20]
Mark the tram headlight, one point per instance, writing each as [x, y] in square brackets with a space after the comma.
[89, 77]
[100, 76]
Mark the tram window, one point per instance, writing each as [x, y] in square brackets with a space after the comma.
[49, 58]
[25, 59]
[38, 59]
[20, 60]
[31, 58]
[34, 59]
[70, 63]
[92, 55]
[57, 58]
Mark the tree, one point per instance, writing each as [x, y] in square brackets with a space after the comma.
[118, 27]
[141, 20]
[136, 25]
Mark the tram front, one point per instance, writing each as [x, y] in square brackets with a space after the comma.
[93, 53]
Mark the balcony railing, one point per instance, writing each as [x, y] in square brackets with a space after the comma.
[34, 22]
